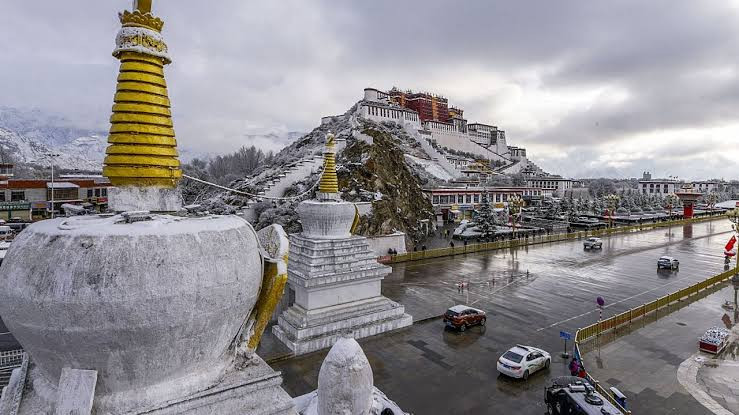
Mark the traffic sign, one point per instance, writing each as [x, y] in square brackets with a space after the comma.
[565, 335]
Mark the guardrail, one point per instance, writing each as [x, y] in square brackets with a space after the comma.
[625, 318]
[536, 239]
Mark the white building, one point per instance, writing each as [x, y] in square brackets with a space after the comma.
[556, 184]
[377, 107]
[706, 186]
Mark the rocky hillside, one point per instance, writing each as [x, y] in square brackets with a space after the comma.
[377, 169]
[379, 164]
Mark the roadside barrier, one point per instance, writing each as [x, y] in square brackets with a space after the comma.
[536, 239]
[626, 318]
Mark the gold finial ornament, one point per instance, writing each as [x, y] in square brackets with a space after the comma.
[143, 149]
[329, 184]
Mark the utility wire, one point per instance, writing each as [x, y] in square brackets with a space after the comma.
[252, 194]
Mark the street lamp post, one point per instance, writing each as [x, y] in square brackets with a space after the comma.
[612, 201]
[51, 157]
[514, 207]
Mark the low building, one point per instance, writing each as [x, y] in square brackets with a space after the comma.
[451, 203]
[707, 186]
[32, 199]
[556, 184]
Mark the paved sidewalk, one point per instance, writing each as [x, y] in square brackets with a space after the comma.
[643, 364]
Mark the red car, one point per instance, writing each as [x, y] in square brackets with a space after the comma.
[461, 316]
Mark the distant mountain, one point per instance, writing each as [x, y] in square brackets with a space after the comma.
[28, 136]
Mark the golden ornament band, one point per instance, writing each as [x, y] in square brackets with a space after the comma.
[144, 139]
[142, 150]
[148, 78]
[329, 182]
[141, 108]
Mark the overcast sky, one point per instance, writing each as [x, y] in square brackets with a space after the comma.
[590, 88]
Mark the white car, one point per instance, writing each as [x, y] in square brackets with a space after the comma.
[3, 250]
[668, 262]
[522, 361]
[593, 243]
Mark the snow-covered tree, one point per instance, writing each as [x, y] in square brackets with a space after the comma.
[486, 217]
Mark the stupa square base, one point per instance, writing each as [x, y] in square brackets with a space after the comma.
[306, 331]
[254, 388]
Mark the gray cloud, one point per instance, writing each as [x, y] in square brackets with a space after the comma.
[566, 77]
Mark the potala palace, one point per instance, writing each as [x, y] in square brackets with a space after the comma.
[443, 127]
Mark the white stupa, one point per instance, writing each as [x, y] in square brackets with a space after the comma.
[334, 274]
[346, 386]
[147, 310]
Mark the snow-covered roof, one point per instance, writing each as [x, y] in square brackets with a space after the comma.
[62, 185]
[459, 308]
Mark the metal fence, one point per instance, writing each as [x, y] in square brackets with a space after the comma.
[625, 318]
[537, 239]
[8, 361]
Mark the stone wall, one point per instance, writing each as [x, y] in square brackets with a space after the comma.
[380, 244]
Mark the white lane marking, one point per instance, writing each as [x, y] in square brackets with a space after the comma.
[609, 305]
[687, 375]
[2, 334]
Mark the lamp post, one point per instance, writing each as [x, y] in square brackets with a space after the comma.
[735, 277]
[671, 201]
[611, 201]
[514, 207]
[51, 158]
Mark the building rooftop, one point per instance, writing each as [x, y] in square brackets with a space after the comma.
[61, 185]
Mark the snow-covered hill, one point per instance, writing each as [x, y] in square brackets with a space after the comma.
[28, 136]
[82, 153]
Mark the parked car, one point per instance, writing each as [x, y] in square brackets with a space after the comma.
[462, 316]
[593, 243]
[3, 250]
[667, 262]
[521, 361]
[6, 233]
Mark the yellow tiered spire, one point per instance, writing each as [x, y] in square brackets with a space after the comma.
[143, 149]
[329, 183]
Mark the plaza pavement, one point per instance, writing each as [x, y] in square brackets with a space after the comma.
[431, 370]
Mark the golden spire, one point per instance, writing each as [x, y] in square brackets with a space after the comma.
[143, 149]
[329, 185]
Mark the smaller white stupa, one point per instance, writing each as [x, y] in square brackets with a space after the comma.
[334, 274]
[345, 386]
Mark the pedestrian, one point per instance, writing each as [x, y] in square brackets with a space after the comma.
[459, 287]
[465, 242]
[451, 244]
[574, 367]
[581, 373]
[423, 247]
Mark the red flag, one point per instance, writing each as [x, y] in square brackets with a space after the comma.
[730, 245]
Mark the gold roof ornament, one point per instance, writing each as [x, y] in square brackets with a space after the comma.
[141, 16]
[143, 149]
[328, 188]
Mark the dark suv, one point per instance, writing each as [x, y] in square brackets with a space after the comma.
[461, 316]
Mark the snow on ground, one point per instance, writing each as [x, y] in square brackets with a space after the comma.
[431, 167]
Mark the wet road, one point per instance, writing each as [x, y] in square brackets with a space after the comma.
[430, 370]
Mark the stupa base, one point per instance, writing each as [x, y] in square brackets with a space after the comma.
[305, 331]
[152, 199]
[251, 389]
